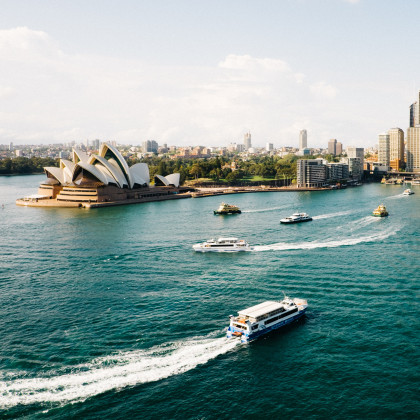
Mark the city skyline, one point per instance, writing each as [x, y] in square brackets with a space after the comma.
[182, 74]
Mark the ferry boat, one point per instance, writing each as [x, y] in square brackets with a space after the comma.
[260, 319]
[227, 209]
[408, 192]
[380, 211]
[223, 245]
[296, 218]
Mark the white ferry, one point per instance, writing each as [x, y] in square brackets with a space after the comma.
[223, 245]
[296, 218]
[408, 192]
[260, 319]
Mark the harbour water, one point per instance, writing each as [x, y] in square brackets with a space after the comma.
[108, 313]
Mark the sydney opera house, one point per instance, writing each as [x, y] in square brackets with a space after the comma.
[101, 180]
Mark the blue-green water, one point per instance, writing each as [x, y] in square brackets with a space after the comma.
[109, 313]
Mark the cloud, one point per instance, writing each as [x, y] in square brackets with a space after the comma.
[53, 96]
[324, 89]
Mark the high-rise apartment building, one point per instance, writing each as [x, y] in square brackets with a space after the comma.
[303, 139]
[415, 113]
[396, 148]
[355, 159]
[338, 148]
[311, 173]
[413, 138]
[247, 141]
[383, 150]
[337, 171]
[332, 147]
[269, 147]
[150, 146]
[413, 149]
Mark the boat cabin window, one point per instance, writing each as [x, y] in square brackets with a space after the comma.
[254, 327]
[269, 321]
[240, 326]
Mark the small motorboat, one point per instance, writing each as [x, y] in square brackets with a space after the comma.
[408, 192]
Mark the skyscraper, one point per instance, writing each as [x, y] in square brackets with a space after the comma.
[413, 138]
[396, 147]
[383, 152]
[332, 147]
[415, 113]
[338, 148]
[413, 149]
[247, 141]
[303, 139]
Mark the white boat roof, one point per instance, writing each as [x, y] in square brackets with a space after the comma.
[228, 239]
[261, 309]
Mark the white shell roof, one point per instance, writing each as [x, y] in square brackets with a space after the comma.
[57, 173]
[121, 163]
[140, 173]
[172, 179]
[114, 170]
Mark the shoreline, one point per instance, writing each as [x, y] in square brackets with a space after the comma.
[186, 193]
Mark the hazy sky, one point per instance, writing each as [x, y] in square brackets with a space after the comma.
[195, 72]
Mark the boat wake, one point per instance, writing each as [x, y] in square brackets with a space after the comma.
[328, 215]
[113, 373]
[283, 246]
[262, 210]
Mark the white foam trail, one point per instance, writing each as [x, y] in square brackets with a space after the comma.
[114, 372]
[282, 246]
[261, 210]
[394, 197]
[328, 215]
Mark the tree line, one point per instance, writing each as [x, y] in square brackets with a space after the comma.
[24, 165]
[220, 168]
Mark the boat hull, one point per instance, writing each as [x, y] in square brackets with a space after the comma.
[253, 336]
[295, 221]
[222, 249]
[222, 213]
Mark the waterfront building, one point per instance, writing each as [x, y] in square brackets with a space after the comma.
[413, 149]
[99, 179]
[337, 171]
[415, 113]
[355, 160]
[383, 150]
[303, 139]
[332, 147]
[311, 173]
[396, 148]
[247, 141]
[355, 166]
